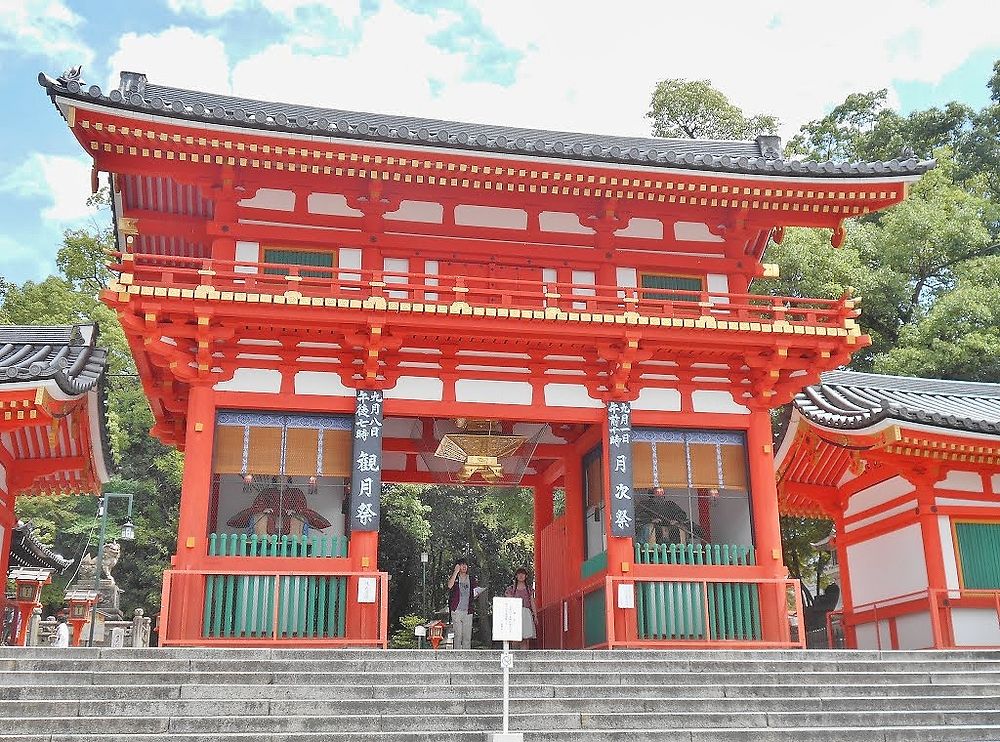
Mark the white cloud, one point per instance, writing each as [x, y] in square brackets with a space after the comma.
[175, 56]
[46, 28]
[62, 182]
[577, 71]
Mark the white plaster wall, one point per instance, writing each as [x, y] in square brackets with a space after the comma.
[493, 392]
[490, 216]
[628, 278]
[995, 483]
[694, 232]
[581, 281]
[867, 638]
[431, 269]
[396, 265]
[914, 631]
[349, 257]
[975, 627]
[645, 228]
[660, 400]
[716, 400]
[965, 481]
[418, 211]
[718, 283]
[324, 383]
[948, 553]
[247, 252]
[887, 566]
[270, 198]
[416, 387]
[901, 508]
[569, 395]
[562, 221]
[877, 494]
[331, 204]
[264, 380]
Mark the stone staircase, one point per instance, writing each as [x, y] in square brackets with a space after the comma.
[291, 695]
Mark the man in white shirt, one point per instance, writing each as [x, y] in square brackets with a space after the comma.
[62, 633]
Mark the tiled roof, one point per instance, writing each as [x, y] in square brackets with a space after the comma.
[760, 157]
[27, 551]
[67, 354]
[853, 401]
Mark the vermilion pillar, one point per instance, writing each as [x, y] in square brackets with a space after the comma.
[766, 524]
[186, 603]
[543, 516]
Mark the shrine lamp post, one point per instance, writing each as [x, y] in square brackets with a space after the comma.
[127, 534]
[423, 599]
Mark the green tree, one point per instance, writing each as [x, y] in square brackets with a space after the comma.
[693, 109]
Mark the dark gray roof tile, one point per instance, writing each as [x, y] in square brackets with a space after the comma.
[760, 156]
[67, 354]
[854, 401]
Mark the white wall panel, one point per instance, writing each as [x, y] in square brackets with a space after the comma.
[694, 232]
[418, 211]
[416, 387]
[331, 204]
[569, 395]
[913, 631]
[270, 198]
[490, 216]
[325, 383]
[645, 228]
[976, 627]
[887, 566]
[660, 400]
[877, 494]
[263, 380]
[965, 481]
[948, 553]
[247, 252]
[562, 221]
[493, 392]
[716, 400]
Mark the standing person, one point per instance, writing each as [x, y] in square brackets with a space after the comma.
[62, 632]
[522, 589]
[463, 590]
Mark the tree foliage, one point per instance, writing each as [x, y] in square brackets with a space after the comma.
[693, 109]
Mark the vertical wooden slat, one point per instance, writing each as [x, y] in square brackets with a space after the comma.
[342, 606]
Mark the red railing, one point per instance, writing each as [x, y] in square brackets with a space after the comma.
[938, 604]
[389, 288]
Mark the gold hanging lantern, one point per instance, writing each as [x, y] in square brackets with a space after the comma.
[480, 451]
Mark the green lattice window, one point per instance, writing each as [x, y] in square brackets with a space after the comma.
[979, 554]
[677, 283]
[299, 257]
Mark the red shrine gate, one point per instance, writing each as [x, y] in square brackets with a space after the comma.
[303, 288]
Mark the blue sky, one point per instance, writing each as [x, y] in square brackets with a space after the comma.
[577, 65]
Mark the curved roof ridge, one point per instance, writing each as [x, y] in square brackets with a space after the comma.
[911, 384]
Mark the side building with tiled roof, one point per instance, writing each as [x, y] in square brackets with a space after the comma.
[909, 470]
[53, 433]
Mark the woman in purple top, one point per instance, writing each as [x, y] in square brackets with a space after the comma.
[522, 589]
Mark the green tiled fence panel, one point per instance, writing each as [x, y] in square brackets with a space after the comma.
[595, 622]
[597, 563]
[242, 544]
[308, 607]
[676, 610]
[979, 548]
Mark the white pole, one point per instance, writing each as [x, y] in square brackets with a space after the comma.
[506, 687]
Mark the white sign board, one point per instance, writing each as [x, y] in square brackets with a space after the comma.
[507, 620]
[367, 589]
[626, 595]
[117, 637]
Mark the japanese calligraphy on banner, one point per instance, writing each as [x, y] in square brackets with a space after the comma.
[366, 469]
[620, 462]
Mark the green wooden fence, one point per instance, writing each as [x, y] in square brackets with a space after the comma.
[676, 610]
[304, 606]
[252, 545]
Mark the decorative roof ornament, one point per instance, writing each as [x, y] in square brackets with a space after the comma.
[479, 450]
[73, 74]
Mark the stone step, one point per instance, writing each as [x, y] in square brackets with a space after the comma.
[486, 722]
[417, 706]
[486, 675]
[791, 734]
[525, 664]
